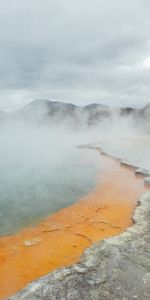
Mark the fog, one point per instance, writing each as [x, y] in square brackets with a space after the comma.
[41, 171]
[82, 51]
[41, 168]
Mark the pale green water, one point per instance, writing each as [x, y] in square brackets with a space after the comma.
[39, 178]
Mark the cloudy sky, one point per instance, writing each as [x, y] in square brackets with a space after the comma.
[78, 51]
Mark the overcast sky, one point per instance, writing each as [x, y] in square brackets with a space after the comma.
[78, 51]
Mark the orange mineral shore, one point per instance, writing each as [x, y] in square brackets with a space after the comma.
[60, 239]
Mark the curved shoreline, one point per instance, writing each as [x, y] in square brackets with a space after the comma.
[115, 268]
[82, 237]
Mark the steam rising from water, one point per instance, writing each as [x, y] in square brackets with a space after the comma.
[41, 171]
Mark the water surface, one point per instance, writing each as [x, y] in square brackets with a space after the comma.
[40, 173]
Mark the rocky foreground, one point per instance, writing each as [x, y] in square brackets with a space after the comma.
[116, 268]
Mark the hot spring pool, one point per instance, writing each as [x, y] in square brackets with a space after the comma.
[38, 178]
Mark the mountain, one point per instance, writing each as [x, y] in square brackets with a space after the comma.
[126, 111]
[40, 112]
[96, 113]
[45, 111]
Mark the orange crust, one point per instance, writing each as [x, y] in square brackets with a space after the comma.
[60, 239]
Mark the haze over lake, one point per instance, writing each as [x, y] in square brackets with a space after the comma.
[41, 171]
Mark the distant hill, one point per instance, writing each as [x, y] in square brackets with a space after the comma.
[53, 112]
[40, 112]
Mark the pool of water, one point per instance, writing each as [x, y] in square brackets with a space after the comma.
[40, 174]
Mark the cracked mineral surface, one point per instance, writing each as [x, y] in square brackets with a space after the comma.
[116, 268]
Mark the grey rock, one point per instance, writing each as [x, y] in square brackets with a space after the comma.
[117, 268]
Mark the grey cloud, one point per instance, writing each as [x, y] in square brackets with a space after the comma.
[89, 47]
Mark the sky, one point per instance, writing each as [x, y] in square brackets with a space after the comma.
[80, 51]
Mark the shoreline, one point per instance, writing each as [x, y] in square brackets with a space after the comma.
[85, 230]
[115, 268]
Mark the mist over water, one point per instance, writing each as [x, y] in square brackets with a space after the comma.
[41, 171]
